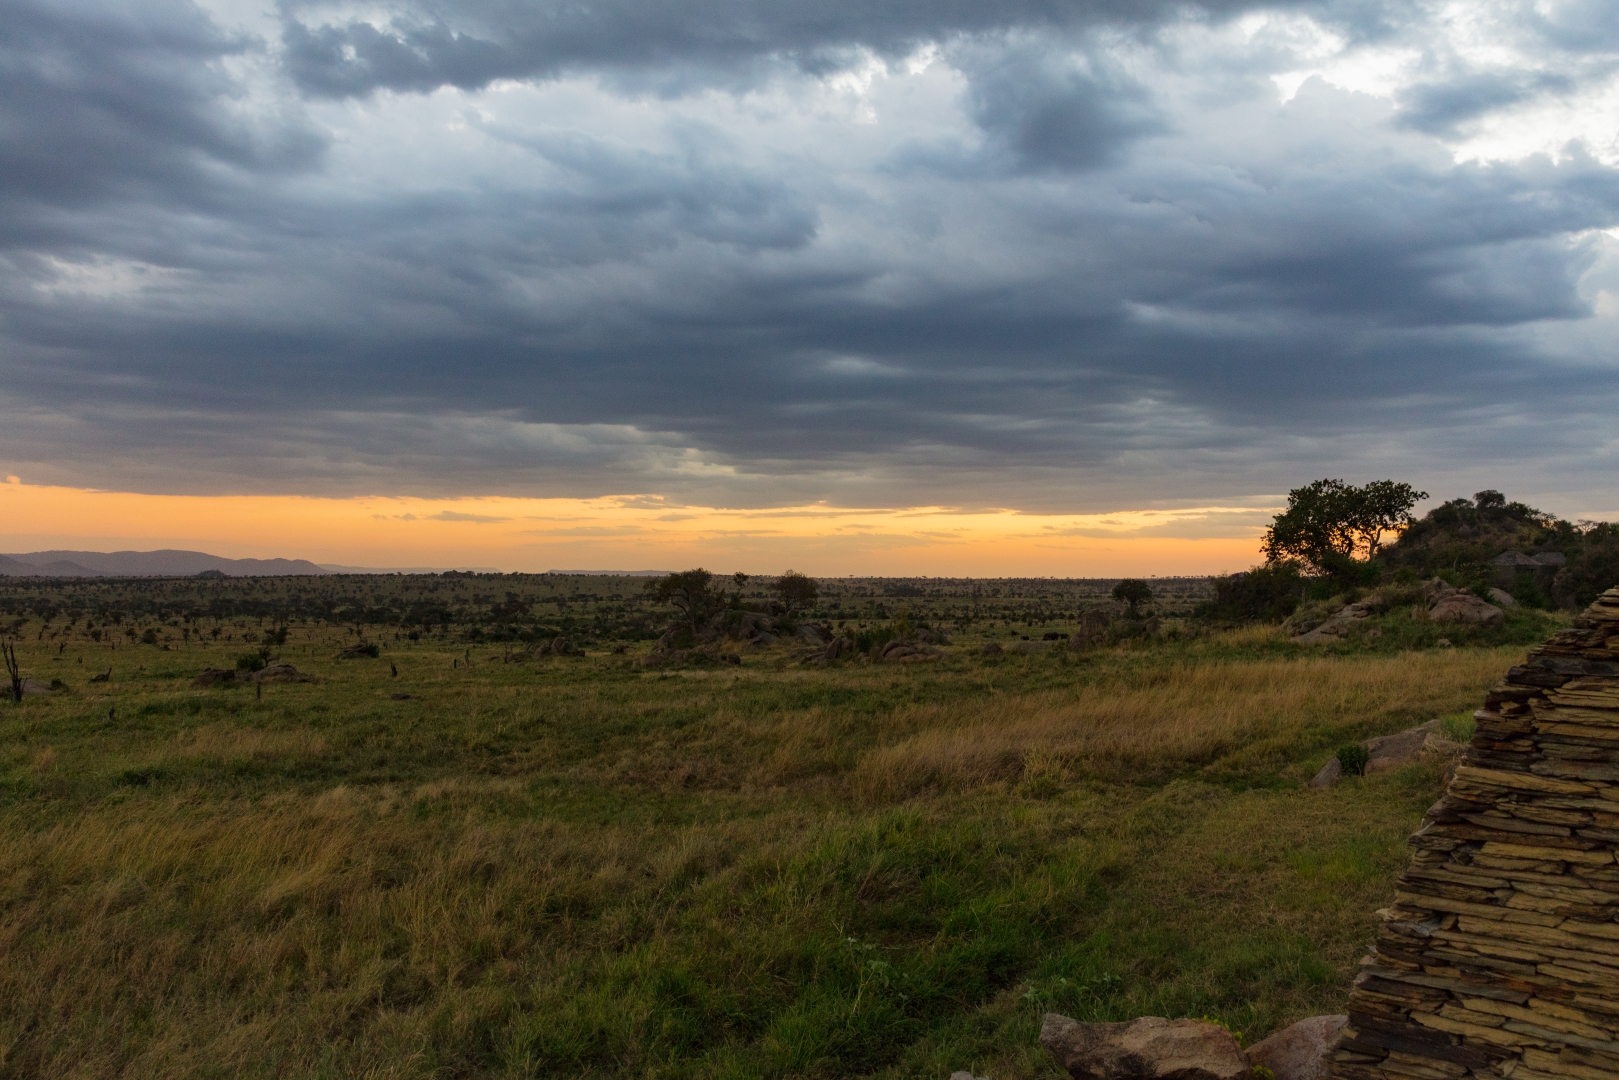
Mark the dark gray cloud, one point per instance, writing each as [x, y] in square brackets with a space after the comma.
[471, 44]
[1062, 257]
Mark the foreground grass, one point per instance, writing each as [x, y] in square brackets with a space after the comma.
[577, 868]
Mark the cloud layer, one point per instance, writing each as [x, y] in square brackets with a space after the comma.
[1061, 258]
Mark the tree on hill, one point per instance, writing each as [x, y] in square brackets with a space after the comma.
[796, 590]
[691, 592]
[1327, 523]
[1132, 591]
[1460, 538]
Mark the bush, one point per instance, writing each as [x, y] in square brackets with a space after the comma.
[149, 637]
[877, 636]
[1592, 571]
[1263, 594]
[1353, 758]
[250, 661]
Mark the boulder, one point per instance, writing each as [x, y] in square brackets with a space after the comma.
[991, 648]
[1436, 589]
[34, 686]
[1150, 1048]
[1389, 752]
[1503, 599]
[1299, 1051]
[1465, 608]
[1337, 626]
[1028, 646]
[963, 1074]
[279, 673]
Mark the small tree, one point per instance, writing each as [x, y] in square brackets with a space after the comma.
[13, 671]
[796, 590]
[1132, 591]
[691, 592]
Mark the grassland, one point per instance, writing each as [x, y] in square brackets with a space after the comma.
[577, 867]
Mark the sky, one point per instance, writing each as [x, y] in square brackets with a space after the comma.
[945, 287]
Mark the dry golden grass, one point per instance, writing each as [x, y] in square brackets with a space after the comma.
[1254, 714]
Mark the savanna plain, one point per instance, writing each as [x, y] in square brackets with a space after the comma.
[458, 859]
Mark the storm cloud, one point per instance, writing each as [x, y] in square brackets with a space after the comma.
[1061, 257]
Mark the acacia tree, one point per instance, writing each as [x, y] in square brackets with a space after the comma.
[691, 592]
[13, 671]
[796, 590]
[1328, 522]
[1132, 591]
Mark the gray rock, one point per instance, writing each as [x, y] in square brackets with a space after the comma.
[1503, 599]
[1337, 626]
[963, 1074]
[1389, 752]
[1028, 646]
[991, 648]
[1467, 609]
[279, 673]
[1150, 1048]
[1436, 589]
[1299, 1052]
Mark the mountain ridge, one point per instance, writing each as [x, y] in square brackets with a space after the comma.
[165, 562]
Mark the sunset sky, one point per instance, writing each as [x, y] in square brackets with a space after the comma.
[937, 288]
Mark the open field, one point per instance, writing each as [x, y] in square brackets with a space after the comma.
[577, 867]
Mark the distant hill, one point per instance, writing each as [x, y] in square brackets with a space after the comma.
[338, 568]
[167, 563]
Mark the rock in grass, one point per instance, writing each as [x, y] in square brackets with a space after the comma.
[1299, 1052]
[1150, 1048]
[279, 673]
[1389, 752]
[1467, 609]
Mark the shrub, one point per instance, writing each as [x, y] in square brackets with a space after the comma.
[149, 637]
[1263, 594]
[250, 661]
[1353, 758]
[877, 636]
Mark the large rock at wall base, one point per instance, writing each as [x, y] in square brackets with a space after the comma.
[1150, 1048]
[1503, 599]
[1468, 609]
[1386, 753]
[1299, 1052]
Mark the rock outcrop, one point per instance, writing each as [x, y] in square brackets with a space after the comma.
[1299, 1051]
[1465, 608]
[279, 672]
[1500, 955]
[1386, 753]
[1337, 625]
[1150, 1048]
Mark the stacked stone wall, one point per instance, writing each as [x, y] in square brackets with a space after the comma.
[1500, 955]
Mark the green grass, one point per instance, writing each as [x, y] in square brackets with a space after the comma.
[574, 867]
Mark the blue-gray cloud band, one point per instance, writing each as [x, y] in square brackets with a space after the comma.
[1126, 272]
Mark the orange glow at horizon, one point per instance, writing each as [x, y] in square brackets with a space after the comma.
[636, 532]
